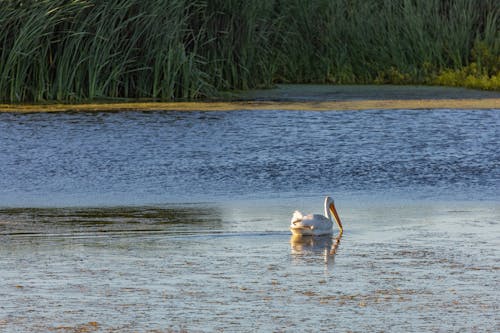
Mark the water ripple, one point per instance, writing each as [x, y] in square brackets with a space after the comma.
[157, 157]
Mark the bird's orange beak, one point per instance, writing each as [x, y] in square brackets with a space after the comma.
[337, 218]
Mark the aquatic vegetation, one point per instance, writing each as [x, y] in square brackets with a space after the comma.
[469, 77]
[89, 49]
[483, 72]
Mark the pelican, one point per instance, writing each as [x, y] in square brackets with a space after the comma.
[315, 224]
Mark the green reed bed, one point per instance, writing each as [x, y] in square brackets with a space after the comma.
[77, 50]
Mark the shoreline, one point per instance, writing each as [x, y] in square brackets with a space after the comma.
[344, 105]
[296, 97]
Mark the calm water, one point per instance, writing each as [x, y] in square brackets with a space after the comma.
[187, 228]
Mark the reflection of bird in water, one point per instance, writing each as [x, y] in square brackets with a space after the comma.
[315, 224]
[310, 245]
[307, 246]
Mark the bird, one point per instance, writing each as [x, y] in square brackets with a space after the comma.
[316, 224]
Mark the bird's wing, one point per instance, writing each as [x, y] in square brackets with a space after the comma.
[297, 216]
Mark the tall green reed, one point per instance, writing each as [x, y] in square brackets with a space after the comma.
[169, 49]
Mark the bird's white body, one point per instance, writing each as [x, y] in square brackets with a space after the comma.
[312, 224]
[315, 224]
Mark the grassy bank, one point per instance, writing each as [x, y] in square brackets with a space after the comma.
[390, 104]
[80, 50]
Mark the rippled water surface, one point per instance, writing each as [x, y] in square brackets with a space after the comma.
[170, 221]
[144, 158]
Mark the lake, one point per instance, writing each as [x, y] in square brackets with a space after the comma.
[178, 221]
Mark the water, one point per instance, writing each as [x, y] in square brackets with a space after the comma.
[134, 158]
[170, 221]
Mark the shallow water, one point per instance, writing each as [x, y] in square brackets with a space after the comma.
[191, 210]
[399, 267]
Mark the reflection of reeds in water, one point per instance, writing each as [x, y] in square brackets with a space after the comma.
[309, 246]
[108, 220]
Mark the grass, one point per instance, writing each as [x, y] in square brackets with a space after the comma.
[410, 104]
[83, 50]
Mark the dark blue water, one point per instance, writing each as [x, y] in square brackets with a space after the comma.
[131, 158]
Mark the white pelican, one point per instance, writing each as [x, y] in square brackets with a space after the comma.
[315, 224]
